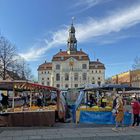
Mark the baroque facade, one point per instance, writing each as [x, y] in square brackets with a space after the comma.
[71, 68]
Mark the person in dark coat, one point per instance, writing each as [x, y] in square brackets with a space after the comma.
[4, 101]
[40, 100]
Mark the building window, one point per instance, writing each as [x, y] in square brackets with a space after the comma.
[42, 72]
[48, 78]
[66, 76]
[57, 77]
[96, 66]
[84, 66]
[48, 72]
[62, 57]
[42, 83]
[92, 71]
[96, 71]
[48, 83]
[99, 83]
[57, 85]
[76, 76]
[84, 76]
[99, 78]
[57, 67]
[42, 78]
[76, 85]
[66, 86]
[93, 78]
[93, 82]
[99, 71]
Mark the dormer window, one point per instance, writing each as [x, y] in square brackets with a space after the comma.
[96, 66]
[62, 57]
[80, 57]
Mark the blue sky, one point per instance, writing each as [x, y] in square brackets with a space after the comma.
[105, 29]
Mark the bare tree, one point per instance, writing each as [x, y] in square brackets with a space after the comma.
[7, 56]
[136, 64]
[22, 69]
[12, 64]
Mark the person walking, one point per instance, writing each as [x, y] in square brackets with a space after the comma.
[136, 110]
[119, 113]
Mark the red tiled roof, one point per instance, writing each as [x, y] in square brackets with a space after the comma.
[96, 65]
[45, 66]
[63, 55]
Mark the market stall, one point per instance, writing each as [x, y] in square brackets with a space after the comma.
[30, 104]
[94, 105]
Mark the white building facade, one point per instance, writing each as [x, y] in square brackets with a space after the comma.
[71, 68]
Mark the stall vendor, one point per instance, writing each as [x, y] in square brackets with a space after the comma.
[40, 100]
[103, 102]
[92, 100]
[4, 100]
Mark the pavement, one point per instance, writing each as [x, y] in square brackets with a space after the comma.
[69, 132]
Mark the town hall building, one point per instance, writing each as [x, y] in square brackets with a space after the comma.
[71, 68]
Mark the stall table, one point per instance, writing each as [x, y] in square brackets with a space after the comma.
[40, 118]
[100, 117]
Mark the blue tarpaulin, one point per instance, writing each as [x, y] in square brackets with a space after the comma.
[102, 117]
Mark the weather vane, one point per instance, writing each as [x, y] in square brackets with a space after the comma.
[72, 19]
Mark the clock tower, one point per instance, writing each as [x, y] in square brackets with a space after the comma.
[71, 42]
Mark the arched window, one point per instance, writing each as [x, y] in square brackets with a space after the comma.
[57, 77]
[57, 67]
[66, 76]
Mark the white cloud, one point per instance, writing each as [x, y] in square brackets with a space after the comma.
[89, 30]
[83, 5]
[88, 3]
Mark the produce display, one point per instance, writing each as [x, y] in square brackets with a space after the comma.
[32, 109]
[95, 108]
